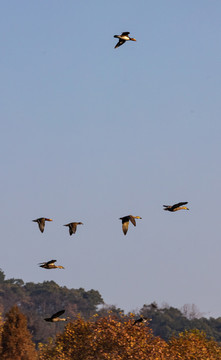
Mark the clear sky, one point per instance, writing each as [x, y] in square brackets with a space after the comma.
[91, 133]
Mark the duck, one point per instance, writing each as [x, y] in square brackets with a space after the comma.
[55, 317]
[50, 265]
[122, 38]
[41, 223]
[176, 207]
[125, 222]
[73, 227]
[140, 320]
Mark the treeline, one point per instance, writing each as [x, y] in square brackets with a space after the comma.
[41, 300]
[168, 321]
[114, 338]
[102, 338]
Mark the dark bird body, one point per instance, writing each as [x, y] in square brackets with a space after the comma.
[122, 38]
[73, 227]
[41, 223]
[176, 207]
[140, 320]
[125, 222]
[50, 265]
[56, 318]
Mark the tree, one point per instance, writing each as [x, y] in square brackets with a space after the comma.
[108, 338]
[2, 276]
[190, 311]
[16, 338]
[193, 345]
[111, 338]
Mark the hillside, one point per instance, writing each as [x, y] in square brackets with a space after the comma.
[41, 300]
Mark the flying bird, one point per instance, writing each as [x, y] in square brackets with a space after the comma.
[41, 223]
[176, 207]
[55, 317]
[140, 320]
[122, 38]
[73, 227]
[50, 265]
[125, 222]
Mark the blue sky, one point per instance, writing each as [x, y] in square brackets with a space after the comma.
[91, 133]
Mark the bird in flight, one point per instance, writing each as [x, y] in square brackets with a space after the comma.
[50, 265]
[140, 320]
[73, 227]
[41, 223]
[125, 222]
[176, 207]
[122, 38]
[55, 317]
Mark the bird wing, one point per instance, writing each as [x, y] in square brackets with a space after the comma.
[120, 42]
[125, 225]
[72, 228]
[125, 33]
[50, 262]
[132, 220]
[138, 321]
[41, 224]
[179, 204]
[59, 313]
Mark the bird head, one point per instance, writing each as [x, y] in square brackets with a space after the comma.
[48, 219]
[133, 39]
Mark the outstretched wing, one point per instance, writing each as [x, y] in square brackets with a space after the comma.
[179, 204]
[125, 225]
[132, 220]
[41, 224]
[59, 313]
[51, 262]
[138, 321]
[125, 33]
[72, 228]
[120, 42]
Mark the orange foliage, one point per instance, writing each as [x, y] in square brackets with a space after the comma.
[109, 338]
[106, 338]
[16, 340]
[193, 345]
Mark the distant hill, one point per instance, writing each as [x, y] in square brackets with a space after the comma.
[41, 300]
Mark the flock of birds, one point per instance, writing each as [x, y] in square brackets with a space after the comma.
[72, 230]
[125, 219]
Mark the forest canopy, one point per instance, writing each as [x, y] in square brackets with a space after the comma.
[37, 301]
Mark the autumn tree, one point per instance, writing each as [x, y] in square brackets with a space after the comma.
[193, 345]
[16, 338]
[110, 338]
[118, 338]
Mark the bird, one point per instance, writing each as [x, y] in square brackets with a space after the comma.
[55, 317]
[122, 38]
[125, 222]
[140, 320]
[41, 223]
[154, 306]
[176, 207]
[73, 227]
[50, 265]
